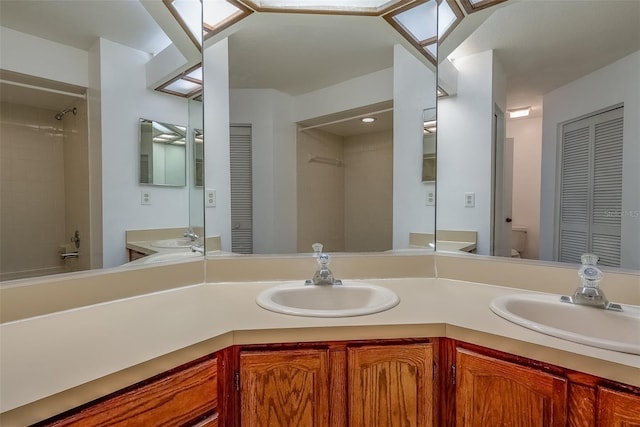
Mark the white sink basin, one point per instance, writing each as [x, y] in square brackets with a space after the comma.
[173, 243]
[611, 330]
[348, 299]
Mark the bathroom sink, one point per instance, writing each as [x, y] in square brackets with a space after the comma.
[610, 330]
[348, 299]
[173, 243]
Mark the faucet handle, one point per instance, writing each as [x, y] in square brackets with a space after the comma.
[590, 275]
[317, 249]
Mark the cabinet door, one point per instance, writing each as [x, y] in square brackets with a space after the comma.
[390, 385]
[617, 409]
[492, 392]
[288, 388]
[174, 399]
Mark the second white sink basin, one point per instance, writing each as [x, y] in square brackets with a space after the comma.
[173, 243]
[348, 299]
[611, 330]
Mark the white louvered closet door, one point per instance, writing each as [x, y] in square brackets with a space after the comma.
[241, 189]
[591, 188]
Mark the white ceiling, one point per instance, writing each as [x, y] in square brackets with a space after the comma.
[543, 45]
[79, 23]
[570, 38]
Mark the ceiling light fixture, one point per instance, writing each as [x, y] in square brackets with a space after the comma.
[368, 119]
[519, 112]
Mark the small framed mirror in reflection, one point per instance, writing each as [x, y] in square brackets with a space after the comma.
[162, 153]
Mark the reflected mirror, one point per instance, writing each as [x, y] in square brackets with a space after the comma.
[538, 140]
[288, 94]
[429, 149]
[76, 78]
[163, 148]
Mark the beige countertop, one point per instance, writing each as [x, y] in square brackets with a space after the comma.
[53, 353]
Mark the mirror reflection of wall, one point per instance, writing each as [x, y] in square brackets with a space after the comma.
[429, 149]
[54, 53]
[162, 153]
[574, 69]
[282, 72]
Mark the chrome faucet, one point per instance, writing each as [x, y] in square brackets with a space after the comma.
[199, 247]
[323, 275]
[190, 234]
[589, 293]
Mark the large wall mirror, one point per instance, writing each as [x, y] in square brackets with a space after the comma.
[76, 77]
[539, 138]
[314, 128]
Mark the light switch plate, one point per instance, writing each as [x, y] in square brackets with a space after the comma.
[469, 200]
[430, 200]
[210, 198]
[145, 197]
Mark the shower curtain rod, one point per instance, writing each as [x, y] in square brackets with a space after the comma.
[44, 89]
[345, 119]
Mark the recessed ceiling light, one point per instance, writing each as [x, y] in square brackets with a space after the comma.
[368, 119]
[519, 112]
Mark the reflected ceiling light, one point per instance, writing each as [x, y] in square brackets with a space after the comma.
[417, 21]
[471, 6]
[368, 119]
[188, 13]
[449, 16]
[441, 92]
[187, 84]
[519, 112]
[347, 6]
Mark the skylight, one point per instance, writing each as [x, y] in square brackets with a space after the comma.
[449, 15]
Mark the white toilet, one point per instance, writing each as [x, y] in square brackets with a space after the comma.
[518, 240]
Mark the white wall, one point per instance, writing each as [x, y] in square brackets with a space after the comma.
[126, 99]
[27, 54]
[527, 150]
[414, 87]
[216, 145]
[464, 150]
[608, 86]
[360, 91]
[274, 166]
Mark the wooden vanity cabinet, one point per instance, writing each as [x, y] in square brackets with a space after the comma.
[493, 392]
[187, 395]
[338, 384]
[617, 408]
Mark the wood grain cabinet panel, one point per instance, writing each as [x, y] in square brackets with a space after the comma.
[390, 385]
[617, 409]
[174, 399]
[288, 388]
[492, 392]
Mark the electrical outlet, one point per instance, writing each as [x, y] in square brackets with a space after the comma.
[430, 199]
[210, 198]
[145, 197]
[469, 200]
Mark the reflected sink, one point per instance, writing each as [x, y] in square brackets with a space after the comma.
[168, 257]
[173, 243]
[348, 299]
[610, 330]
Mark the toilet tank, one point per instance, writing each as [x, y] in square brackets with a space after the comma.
[519, 238]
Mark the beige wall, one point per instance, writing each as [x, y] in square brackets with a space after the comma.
[368, 192]
[347, 207]
[35, 187]
[320, 192]
[527, 152]
[76, 184]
